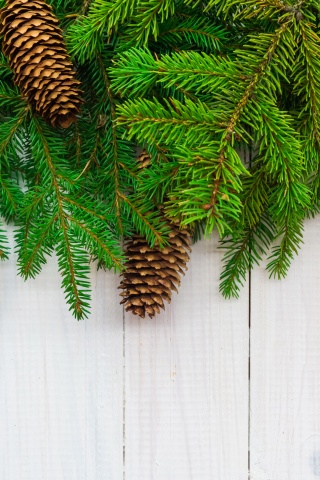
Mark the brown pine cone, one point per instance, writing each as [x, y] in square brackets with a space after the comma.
[37, 55]
[152, 273]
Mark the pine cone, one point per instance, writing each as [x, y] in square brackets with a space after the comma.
[152, 273]
[37, 55]
[144, 159]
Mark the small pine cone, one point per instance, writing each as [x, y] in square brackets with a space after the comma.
[152, 273]
[143, 159]
[33, 43]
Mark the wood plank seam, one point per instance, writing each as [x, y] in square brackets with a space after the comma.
[124, 393]
[249, 371]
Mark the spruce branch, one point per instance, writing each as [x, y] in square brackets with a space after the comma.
[192, 31]
[73, 263]
[58, 219]
[118, 175]
[195, 196]
[10, 191]
[85, 36]
[242, 252]
[114, 143]
[261, 9]
[10, 196]
[148, 16]
[137, 71]
[10, 130]
[35, 242]
[4, 245]
[242, 107]
[291, 236]
[255, 195]
[306, 87]
[171, 123]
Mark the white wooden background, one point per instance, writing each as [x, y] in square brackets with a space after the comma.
[117, 398]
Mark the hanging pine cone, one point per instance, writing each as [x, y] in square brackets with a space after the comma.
[152, 273]
[37, 55]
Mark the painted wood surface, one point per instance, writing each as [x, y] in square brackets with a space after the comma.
[285, 368]
[61, 381]
[116, 398]
[187, 382]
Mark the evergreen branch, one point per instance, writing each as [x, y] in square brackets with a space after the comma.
[113, 155]
[71, 281]
[147, 221]
[193, 31]
[34, 243]
[72, 259]
[262, 68]
[88, 211]
[255, 196]
[288, 197]
[158, 181]
[94, 226]
[10, 192]
[110, 145]
[291, 236]
[115, 147]
[10, 196]
[261, 9]
[173, 123]
[137, 72]
[4, 245]
[10, 96]
[83, 40]
[118, 169]
[74, 269]
[207, 188]
[5, 70]
[85, 35]
[147, 18]
[33, 238]
[10, 129]
[241, 107]
[106, 250]
[278, 141]
[242, 253]
[305, 75]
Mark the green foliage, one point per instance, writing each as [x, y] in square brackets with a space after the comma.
[4, 246]
[243, 250]
[188, 31]
[147, 17]
[58, 217]
[199, 85]
[139, 73]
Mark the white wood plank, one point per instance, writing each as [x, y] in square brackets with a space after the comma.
[60, 380]
[187, 382]
[285, 362]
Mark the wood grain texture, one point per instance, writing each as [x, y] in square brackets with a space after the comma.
[285, 369]
[185, 387]
[61, 399]
[187, 382]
